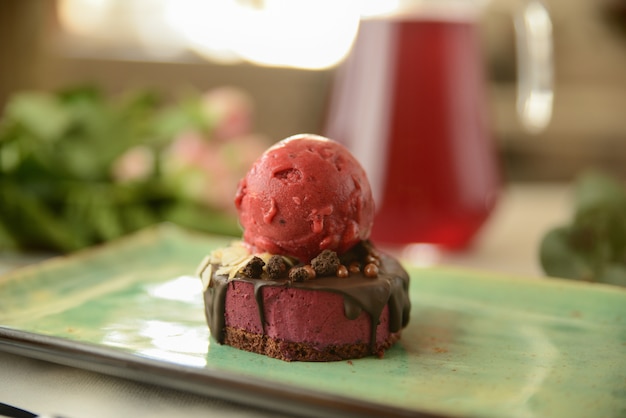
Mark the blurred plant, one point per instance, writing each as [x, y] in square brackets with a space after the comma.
[593, 246]
[78, 168]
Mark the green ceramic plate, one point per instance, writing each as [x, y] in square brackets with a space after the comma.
[478, 345]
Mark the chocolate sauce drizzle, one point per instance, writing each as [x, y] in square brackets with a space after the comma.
[360, 293]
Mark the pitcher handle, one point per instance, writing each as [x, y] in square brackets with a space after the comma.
[535, 67]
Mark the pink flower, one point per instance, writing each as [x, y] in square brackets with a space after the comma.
[232, 110]
[136, 164]
[209, 171]
[188, 149]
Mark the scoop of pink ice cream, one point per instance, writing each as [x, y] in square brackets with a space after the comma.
[304, 195]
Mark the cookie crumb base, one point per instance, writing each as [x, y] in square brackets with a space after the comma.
[300, 351]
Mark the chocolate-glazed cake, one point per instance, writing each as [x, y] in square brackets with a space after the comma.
[305, 284]
[325, 318]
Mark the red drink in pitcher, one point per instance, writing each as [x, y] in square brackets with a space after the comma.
[410, 103]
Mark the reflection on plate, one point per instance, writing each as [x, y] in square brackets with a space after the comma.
[478, 344]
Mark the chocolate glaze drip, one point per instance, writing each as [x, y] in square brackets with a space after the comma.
[360, 293]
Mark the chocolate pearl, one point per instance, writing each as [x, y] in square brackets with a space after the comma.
[310, 271]
[342, 271]
[354, 267]
[372, 259]
[370, 270]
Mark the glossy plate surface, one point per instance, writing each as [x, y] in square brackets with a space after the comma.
[478, 344]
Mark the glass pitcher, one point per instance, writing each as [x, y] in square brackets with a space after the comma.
[410, 101]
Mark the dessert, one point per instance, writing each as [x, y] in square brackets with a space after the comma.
[305, 283]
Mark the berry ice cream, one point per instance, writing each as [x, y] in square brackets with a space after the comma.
[304, 195]
[306, 283]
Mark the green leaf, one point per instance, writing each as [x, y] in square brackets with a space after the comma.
[7, 241]
[186, 115]
[57, 154]
[593, 246]
[40, 113]
[614, 274]
[559, 259]
[33, 223]
[200, 218]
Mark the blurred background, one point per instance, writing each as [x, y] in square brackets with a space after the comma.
[172, 46]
